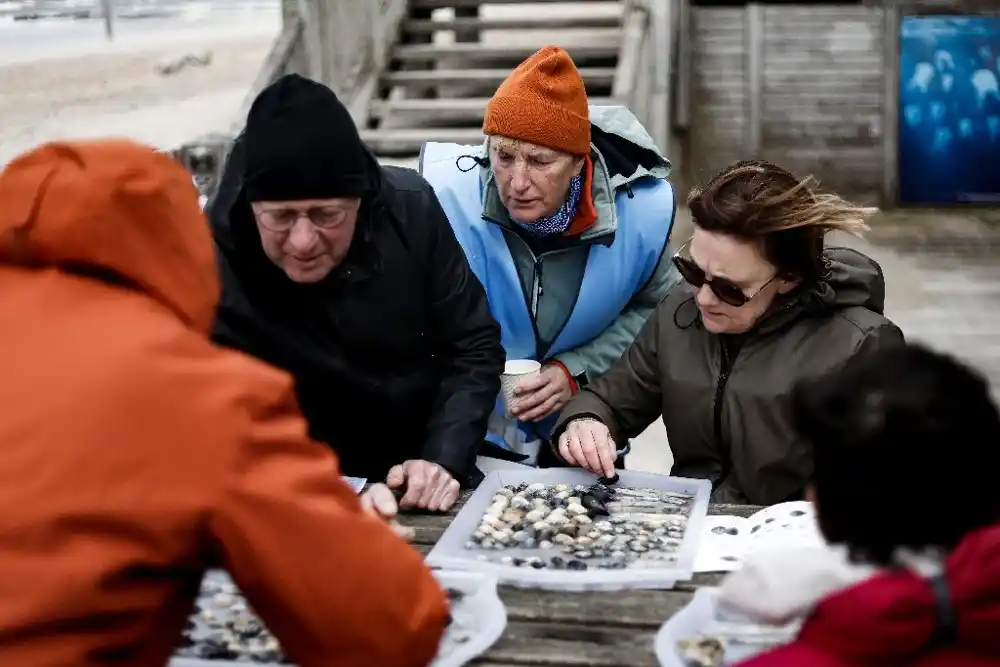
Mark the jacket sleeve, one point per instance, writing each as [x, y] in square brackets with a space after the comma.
[595, 357]
[470, 349]
[627, 398]
[885, 336]
[335, 585]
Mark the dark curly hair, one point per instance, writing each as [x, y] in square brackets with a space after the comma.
[907, 449]
[759, 201]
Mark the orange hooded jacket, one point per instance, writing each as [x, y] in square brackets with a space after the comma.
[136, 454]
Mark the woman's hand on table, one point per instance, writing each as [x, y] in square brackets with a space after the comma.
[428, 485]
[380, 501]
[542, 395]
[587, 443]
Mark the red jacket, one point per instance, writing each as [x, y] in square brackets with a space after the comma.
[890, 619]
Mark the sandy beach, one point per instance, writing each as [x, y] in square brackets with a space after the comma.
[63, 79]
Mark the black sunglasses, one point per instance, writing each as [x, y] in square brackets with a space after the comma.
[723, 289]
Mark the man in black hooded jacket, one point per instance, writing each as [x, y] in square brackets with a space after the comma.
[347, 275]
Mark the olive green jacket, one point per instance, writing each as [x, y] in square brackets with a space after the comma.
[725, 401]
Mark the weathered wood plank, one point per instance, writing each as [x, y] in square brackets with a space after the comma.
[809, 15]
[592, 76]
[810, 86]
[710, 18]
[572, 645]
[828, 165]
[547, 23]
[476, 51]
[722, 58]
[718, 89]
[434, 4]
[834, 104]
[722, 117]
[819, 136]
[626, 609]
[728, 46]
[846, 60]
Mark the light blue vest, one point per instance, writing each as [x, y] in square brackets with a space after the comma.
[614, 274]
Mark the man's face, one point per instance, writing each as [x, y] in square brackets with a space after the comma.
[307, 238]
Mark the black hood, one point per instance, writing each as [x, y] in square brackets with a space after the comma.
[852, 279]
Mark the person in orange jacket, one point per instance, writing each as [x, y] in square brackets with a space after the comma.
[137, 454]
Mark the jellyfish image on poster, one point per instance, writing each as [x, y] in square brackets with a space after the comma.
[949, 110]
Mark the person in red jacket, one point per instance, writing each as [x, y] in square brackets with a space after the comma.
[137, 454]
[907, 450]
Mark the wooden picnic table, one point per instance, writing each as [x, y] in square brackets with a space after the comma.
[564, 629]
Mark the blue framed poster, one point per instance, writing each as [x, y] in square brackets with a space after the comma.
[949, 110]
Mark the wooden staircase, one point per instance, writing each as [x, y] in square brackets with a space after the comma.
[451, 55]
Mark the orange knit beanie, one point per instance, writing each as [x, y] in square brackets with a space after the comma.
[543, 102]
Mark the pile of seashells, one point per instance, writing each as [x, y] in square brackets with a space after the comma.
[576, 527]
[225, 628]
[702, 651]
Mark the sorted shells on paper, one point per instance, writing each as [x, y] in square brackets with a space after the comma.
[702, 651]
[576, 527]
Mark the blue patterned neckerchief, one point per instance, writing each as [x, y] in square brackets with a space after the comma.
[558, 222]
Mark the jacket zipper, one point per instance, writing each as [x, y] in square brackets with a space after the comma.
[536, 286]
[536, 270]
[720, 389]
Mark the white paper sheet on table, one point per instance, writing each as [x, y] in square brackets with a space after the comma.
[784, 526]
[357, 483]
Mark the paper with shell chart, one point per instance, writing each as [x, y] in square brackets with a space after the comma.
[727, 540]
[356, 483]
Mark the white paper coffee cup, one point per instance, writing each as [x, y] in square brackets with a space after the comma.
[514, 371]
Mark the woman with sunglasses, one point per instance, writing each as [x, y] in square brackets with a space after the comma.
[767, 306]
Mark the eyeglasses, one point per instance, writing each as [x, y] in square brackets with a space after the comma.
[283, 219]
[726, 291]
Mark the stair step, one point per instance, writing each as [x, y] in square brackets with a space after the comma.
[435, 4]
[605, 48]
[407, 141]
[592, 77]
[418, 27]
[451, 109]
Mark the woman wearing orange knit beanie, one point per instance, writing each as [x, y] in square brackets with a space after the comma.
[564, 213]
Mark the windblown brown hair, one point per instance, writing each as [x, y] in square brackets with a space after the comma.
[759, 201]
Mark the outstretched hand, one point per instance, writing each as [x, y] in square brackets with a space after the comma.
[428, 485]
[587, 443]
[380, 501]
